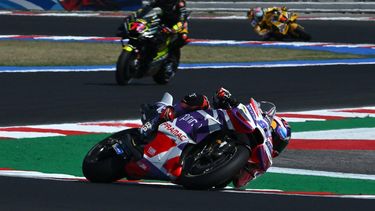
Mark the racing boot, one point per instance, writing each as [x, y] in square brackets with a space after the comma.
[169, 69]
[171, 63]
[246, 174]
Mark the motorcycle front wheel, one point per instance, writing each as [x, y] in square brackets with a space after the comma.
[213, 165]
[301, 34]
[123, 67]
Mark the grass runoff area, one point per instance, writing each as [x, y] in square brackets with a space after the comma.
[44, 53]
[64, 154]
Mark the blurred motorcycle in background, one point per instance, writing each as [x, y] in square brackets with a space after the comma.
[147, 51]
[277, 23]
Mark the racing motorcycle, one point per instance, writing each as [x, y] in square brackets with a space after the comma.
[145, 35]
[285, 26]
[209, 160]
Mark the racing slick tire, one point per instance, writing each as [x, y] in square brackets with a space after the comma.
[209, 172]
[103, 164]
[123, 68]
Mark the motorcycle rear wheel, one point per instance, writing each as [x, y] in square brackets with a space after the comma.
[102, 165]
[207, 171]
[123, 68]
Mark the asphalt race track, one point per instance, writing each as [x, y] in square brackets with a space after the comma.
[71, 97]
[322, 31]
[31, 194]
[41, 98]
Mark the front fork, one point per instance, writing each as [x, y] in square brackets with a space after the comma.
[136, 62]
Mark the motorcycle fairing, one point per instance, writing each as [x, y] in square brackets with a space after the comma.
[286, 22]
[199, 124]
[137, 28]
[128, 48]
[163, 51]
[161, 159]
[262, 155]
[162, 155]
[245, 118]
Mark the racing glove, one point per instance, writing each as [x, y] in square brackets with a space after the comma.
[223, 99]
[178, 27]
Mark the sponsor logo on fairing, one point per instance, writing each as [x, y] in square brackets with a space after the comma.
[174, 131]
[118, 149]
[251, 111]
[189, 119]
[262, 124]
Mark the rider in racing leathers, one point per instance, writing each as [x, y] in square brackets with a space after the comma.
[261, 20]
[223, 103]
[174, 18]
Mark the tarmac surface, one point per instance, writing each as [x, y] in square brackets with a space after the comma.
[42, 98]
[321, 31]
[32, 194]
[90, 96]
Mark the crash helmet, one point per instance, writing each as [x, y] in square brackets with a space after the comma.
[281, 134]
[258, 13]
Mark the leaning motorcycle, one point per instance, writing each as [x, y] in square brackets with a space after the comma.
[145, 35]
[285, 26]
[209, 160]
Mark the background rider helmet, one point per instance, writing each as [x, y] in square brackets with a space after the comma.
[258, 14]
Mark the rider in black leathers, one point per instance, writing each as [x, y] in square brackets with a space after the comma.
[174, 17]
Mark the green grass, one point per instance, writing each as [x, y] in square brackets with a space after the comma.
[40, 53]
[302, 183]
[49, 155]
[44, 53]
[65, 154]
[367, 122]
[197, 54]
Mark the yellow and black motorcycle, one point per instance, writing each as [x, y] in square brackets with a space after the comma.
[147, 52]
[285, 26]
